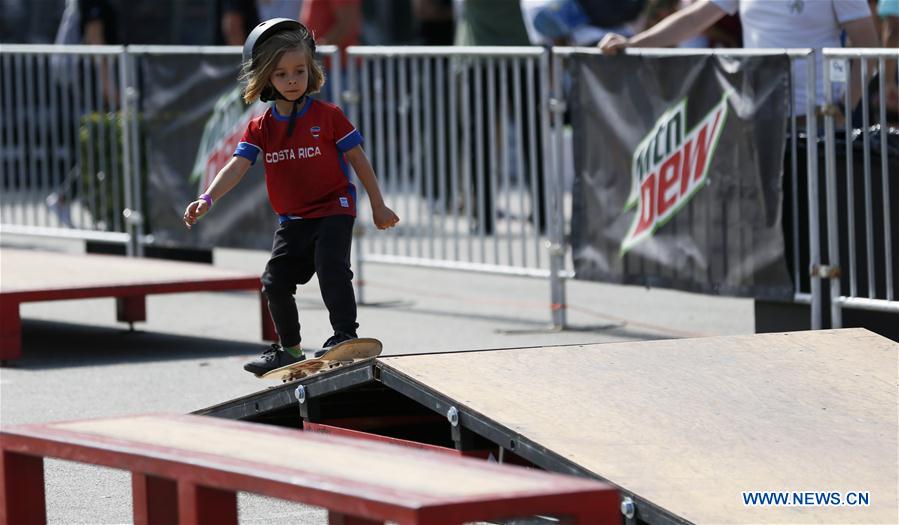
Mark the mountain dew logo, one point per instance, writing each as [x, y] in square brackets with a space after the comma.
[222, 132]
[669, 166]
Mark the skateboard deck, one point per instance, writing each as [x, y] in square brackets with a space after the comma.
[345, 353]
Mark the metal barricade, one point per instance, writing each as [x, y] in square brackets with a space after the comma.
[72, 161]
[460, 140]
[861, 226]
[69, 135]
[469, 147]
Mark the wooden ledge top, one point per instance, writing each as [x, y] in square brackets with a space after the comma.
[370, 469]
[30, 270]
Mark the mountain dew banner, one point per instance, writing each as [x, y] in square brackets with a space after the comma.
[193, 117]
[678, 164]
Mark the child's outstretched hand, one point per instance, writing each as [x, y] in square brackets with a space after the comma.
[384, 217]
[194, 211]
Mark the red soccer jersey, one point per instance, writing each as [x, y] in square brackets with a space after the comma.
[306, 174]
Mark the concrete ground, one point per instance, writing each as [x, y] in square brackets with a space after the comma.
[79, 362]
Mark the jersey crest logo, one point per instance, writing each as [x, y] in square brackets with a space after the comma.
[315, 130]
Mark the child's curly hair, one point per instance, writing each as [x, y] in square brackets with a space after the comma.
[257, 72]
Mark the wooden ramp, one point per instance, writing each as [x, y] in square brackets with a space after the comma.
[30, 275]
[683, 427]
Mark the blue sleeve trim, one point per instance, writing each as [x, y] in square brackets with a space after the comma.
[349, 141]
[247, 151]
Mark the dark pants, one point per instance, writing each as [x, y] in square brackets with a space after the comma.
[304, 247]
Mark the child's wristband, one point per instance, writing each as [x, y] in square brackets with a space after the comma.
[207, 198]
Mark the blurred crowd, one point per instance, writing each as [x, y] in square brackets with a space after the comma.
[370, 22]
[613, 24]
[373, 22]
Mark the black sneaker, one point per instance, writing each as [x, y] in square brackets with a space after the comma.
[334, 340]
[274, 357]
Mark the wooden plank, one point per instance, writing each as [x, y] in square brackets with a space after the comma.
[28, 273]
[689, 424]
[306, 452]
[46, 276]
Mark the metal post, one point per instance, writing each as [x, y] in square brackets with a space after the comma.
[836, 320]
[337, 77]
[794, 184]
[811, 100]
[137, 145]
[127, 149]
[44, 116]
[350, 98]
[885, 181]
[552, 177]
[866, 162]
[532, 162]
[30, 141]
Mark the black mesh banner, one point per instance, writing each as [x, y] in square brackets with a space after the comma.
[192, 119]
[678, 164]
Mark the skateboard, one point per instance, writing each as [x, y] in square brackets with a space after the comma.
[345, 353]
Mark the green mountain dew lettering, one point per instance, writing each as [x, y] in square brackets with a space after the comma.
[669, 166]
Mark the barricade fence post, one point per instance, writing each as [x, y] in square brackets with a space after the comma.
[814, 234]
[558, 247]
[830, 169]
[349, 96]
[127, 92]
[868, 222]
[884, 169]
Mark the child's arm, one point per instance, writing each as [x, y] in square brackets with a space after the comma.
[382, 215]
[225, 179]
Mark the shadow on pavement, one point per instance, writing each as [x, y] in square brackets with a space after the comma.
[525, 327]
[51, 344]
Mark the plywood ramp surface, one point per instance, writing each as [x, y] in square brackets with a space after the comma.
[689, 424]
[23, 270]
